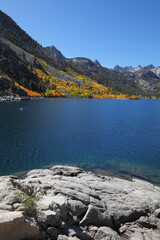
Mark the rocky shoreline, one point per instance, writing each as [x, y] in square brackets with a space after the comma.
[20, 98]
[66, 202]
[12, 98]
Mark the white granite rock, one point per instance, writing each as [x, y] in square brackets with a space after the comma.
[106, 233]
[99, 207]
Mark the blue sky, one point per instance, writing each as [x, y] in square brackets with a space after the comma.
[124, 32]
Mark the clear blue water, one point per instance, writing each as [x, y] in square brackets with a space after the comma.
[119, 136]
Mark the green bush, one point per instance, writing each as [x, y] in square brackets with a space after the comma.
[29, 202]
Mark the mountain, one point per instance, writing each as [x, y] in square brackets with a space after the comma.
[138, 81]
[83, 64]
[132, 69]
[127, 68]
[97, 62]
[53, 51]
[26, 68]
[156, 71]
[149, 67]
[139, 67]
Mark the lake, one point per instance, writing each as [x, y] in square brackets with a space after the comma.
[120, 137]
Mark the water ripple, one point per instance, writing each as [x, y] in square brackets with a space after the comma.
[116, 136]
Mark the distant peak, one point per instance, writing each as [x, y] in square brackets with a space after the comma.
[119, 68]
[132, 69]
[97, 62]
[53, 51]
[149, 67]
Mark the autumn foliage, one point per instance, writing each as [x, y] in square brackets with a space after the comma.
[32, 93]
[78, 85]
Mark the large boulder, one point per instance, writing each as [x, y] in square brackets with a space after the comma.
[93, 216]
[48, 218]
[66, 170]
[77, 208]
[52, 210]
[14, 226]
[7, 191]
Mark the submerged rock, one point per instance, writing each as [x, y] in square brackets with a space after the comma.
[75, 204]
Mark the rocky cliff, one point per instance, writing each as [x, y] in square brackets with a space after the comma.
[53, 51]
[78, 205]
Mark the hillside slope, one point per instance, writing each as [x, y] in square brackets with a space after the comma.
[144, 82]
[26, 68]
[24, 74]
[141, 81]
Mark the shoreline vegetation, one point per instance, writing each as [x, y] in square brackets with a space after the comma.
[66, 202]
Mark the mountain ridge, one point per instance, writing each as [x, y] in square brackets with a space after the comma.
[53, 51]
[133, 69]
[142, 81]
[27, 66]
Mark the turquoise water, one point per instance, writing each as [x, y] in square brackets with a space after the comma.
[119, 136]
